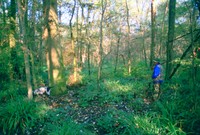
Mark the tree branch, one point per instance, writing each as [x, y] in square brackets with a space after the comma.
[183, 55]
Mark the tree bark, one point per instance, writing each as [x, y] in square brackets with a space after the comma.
[12, 38]
[172, 8]
[184, 55]
[32, 40]
[117, 53]
[143, 46]
[192, 27]
[51, 36]
[103, 8]
[128, 39]
[161, 51]
[22, 9]
[153, 21]
[73, 43]
[88, 39]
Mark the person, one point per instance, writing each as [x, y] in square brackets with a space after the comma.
[157, 78]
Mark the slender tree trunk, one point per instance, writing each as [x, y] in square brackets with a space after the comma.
[172, 8]
[153, 20]
[128, 39]
[161, 52]
[81, 35]
[117, 54]
[13, 14]
[78, 57]
[144, 48]
[192, 27]
[88, 41]
[72, 42]
[13, 53]
[103, 8]
[32, 43]
[22, 9]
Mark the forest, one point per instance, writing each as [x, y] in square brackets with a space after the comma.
[85, 67]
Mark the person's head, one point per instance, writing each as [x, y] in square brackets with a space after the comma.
[156, 61]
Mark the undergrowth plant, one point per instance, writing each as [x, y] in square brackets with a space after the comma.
[117, 122]
[11, 92]
[57, 123]
[19, 115]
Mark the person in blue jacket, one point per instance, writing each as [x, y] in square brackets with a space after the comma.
[157, 77]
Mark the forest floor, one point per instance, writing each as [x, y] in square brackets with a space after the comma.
[69, 105]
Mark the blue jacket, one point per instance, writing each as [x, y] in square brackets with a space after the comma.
[156, 71]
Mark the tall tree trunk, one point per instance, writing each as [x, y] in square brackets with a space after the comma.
[153, 20]
[192, 27]
[160, 49]
[143, 47]
[103, 8]
[51, 35]
[12, 17]
[77, 36]
[73, 43]
[128, 40]
[117, 53]
[13, 14]
[32, 40]
[81, 47]
[22, 9]
[88, 40]
[172, 8]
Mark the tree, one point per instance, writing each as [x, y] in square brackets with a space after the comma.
[32, 43]
[51, 37]
[90, 6]
[160, 49]
[73, 43]
[12, 40]
[117, 51]
[103, 8]
[153, 20]
[171, 23]
[128, 39]
[192, 27]
[22, 9]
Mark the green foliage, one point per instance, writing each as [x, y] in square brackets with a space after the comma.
[169, 117]
[68, 127]
[117, 122]
[91, 95]
[19, 115]
[11, 91]
[140, 71]
[6, 95]
[57, 123]
[113, 122]
[177, 112]
[5, 67]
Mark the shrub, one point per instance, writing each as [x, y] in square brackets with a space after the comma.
[19, 115]
[67, 127]
[11, 92]
[58, 123]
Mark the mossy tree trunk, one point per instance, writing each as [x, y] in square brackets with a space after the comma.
[51, 38]
[22, 9]
[172, 7]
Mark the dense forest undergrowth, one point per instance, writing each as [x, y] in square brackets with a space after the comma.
[94, 54]
[121, 106]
